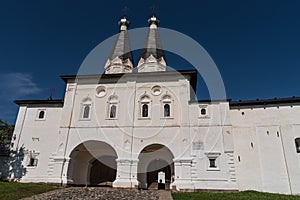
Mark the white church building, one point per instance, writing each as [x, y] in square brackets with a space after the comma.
[125, 126]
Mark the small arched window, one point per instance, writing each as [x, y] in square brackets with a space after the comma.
[41, 114]
[203, 111]
[145, 106]
[145, 110]
[297, 143]
[86, 105]
[113, 110]
[167, 110]
[86, 111]
[112, 106]
[167, 104]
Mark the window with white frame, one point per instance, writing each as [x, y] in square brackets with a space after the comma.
[203, 110]
[86, 106]
[113, 107]
[32, 160]
[213, 161]
[145, 106]
[167, 106]
[41, 114]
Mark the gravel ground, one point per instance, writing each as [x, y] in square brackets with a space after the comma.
[87, 193]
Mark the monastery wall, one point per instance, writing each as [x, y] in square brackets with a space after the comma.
[37, 138]
[265, 151]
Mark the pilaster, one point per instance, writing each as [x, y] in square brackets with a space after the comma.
[183, 175]
[126, 174]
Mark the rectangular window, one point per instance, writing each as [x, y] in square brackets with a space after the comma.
[32, 162]
[31, 158]
[212, 163]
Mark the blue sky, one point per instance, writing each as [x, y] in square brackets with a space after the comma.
[254, 43]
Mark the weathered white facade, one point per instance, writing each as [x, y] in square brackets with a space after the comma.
[124, 127]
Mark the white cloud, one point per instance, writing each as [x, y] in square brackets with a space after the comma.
[16, 85]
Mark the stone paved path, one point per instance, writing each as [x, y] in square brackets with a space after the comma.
[91, 193]
[165, 195]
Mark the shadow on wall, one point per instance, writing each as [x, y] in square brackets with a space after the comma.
[11, 165]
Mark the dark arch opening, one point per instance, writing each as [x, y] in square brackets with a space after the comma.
[155, 158]
[155, 166]
[92, 163]
[103, 171]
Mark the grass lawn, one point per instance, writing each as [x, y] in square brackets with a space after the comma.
[233, 196]
[12, 191]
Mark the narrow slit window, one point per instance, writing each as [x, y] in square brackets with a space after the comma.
[41, 114]
[297, 144]
[86, 111]
[113, 110]
[145, 110]
[167, 110]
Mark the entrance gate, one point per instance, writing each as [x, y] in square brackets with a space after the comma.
[153, 159]
[92, 163]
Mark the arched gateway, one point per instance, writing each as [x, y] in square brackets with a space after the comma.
[153, 159]
[92, 163]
